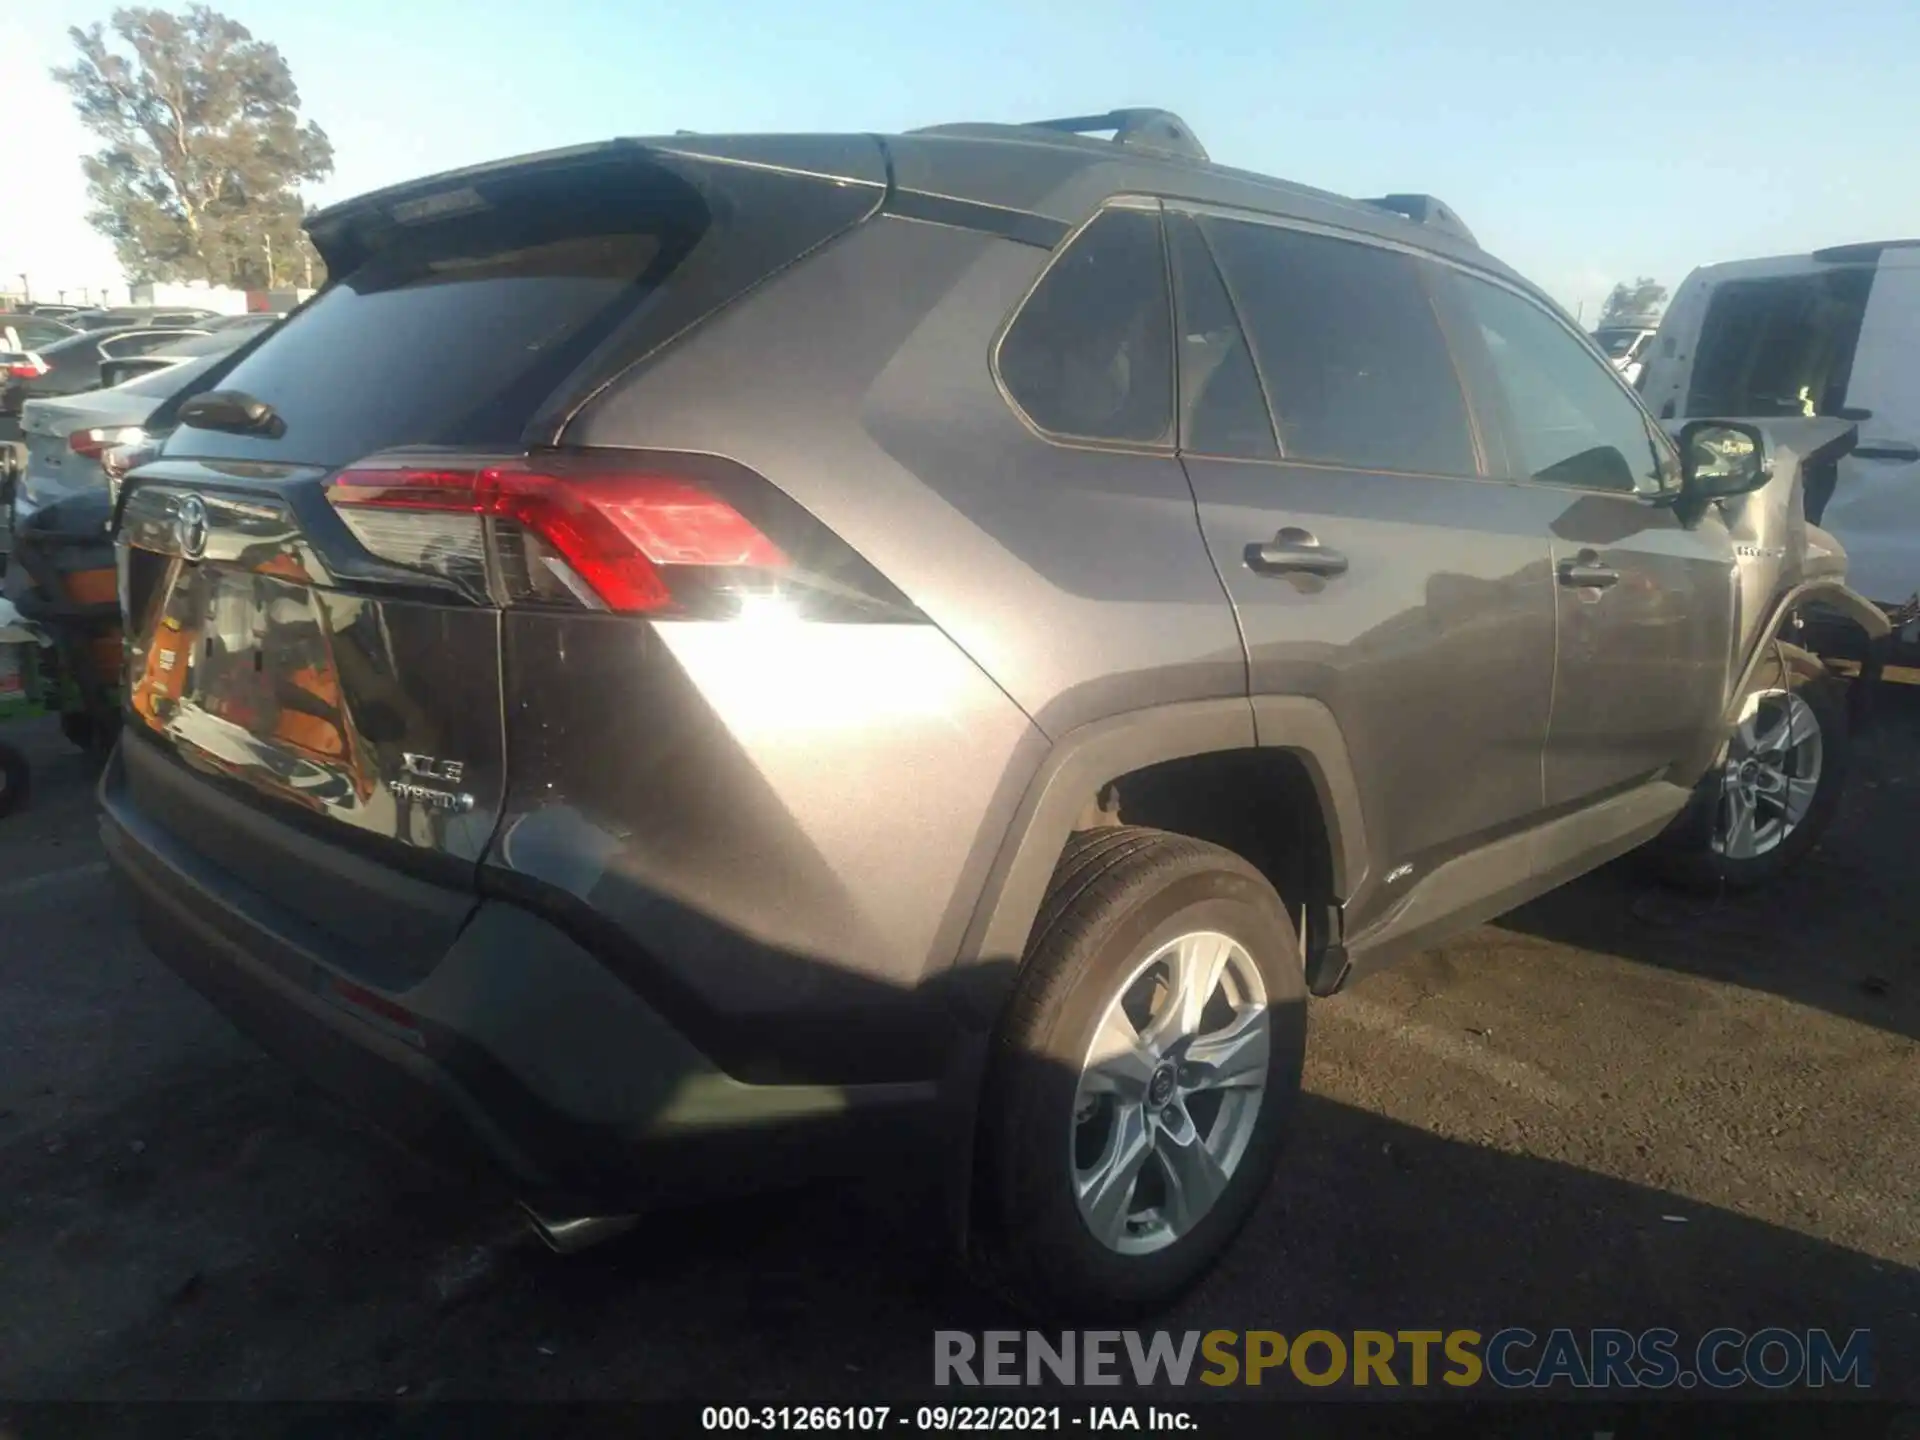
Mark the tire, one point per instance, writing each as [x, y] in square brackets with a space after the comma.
[1705, 854]
[1119, 897]
[78, 728]
[15, 780]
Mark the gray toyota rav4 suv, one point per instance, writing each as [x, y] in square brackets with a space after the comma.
[703, 661]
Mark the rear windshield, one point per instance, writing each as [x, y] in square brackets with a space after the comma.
[1781, 346]
[457, 331]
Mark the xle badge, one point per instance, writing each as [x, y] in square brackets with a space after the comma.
[431, 767]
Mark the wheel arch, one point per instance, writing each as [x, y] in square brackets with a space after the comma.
[1832, 599]
[1089, 768]
[1079, 772]
[1840, 623]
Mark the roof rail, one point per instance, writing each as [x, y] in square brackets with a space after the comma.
[1425, 210]
[1159, 131]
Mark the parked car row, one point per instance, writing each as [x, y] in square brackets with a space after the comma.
[94, 317]
[600, 699]
[78, 395]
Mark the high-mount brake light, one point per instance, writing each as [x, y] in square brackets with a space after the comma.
[577, 534]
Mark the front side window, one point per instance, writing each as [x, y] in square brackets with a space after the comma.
[1574, 423]
[1090, 354]
[1349, 348]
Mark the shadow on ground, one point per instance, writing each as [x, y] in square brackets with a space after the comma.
[1841, 931]
[276, 1250]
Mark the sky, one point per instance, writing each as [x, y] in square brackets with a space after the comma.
[1583, 143]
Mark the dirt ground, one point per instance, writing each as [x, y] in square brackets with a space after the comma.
[1615, 1107]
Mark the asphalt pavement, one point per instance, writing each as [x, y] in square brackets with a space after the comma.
[1616, 1107]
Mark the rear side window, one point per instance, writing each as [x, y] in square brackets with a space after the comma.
[1222, 411]
[1090, 354]
[1350, 350]
[217, 343]
[1574, 423]
[124, 347]
[1779, 347]
[173, 379]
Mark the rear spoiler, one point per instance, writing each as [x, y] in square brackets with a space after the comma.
[346, 233]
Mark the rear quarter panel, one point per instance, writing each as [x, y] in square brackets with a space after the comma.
[801, 823]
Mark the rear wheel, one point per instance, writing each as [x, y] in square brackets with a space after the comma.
[1145, 1076]
[1776, 790]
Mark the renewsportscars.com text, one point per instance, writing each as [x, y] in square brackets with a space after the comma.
[1513, 1359]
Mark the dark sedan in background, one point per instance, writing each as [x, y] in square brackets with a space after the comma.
[69, 366]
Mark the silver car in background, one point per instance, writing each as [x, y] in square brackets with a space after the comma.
[66, 437]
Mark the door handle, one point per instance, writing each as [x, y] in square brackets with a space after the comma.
[1295, 552]
[1585, 572]
[1899, 450]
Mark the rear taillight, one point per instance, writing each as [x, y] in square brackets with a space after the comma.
[27, 367]
[592, 531]
[96, 442]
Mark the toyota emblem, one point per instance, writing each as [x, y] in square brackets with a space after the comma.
[193, 527]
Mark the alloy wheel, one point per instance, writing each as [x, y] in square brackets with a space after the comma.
[1771, 775]
[1169, 1092]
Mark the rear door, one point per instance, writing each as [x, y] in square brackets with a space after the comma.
[1375, 562]
[1875, 508]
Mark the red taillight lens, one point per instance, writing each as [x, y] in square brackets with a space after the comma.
[617, 533]
[94, 443]
[31, 368]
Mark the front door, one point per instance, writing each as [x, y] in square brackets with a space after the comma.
[1644, 602]
[1343, 490]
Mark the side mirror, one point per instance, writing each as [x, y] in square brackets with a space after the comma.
[1721, 458]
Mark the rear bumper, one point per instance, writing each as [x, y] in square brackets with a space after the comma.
[520, 1053]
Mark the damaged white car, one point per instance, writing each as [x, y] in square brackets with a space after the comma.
[1833, 333]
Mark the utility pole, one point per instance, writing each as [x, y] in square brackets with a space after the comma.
[26, 289]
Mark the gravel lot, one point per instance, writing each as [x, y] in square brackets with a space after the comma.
[1616, 1107]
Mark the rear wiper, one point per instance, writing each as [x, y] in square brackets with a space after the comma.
[235, 411]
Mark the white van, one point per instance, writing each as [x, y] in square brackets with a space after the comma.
[1836, 332]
